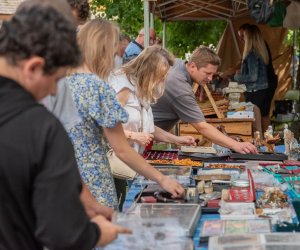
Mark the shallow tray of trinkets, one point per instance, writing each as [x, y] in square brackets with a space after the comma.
[187, 214]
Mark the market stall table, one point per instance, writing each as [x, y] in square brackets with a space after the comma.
[137, 186]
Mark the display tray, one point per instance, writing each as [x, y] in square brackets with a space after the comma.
[210, 177]
[153, 193]
[174, 170]
[181, 173]
[195, 149]
[263, 156]
[176, 162]
[247, 241]
[283, 168]
[221, 227]
[187, 214]
[201, 156]
[161, 154]
[237, 211]
[224, 165]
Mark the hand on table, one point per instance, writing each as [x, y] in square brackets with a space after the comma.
[245, 148]
[172, 186]
[185, 141]
[109, 231]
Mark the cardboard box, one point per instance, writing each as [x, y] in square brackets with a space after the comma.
[240, 114]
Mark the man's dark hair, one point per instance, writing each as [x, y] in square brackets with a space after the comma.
[82, 7]
[40, 30]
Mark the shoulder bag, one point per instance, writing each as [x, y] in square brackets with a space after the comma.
[120, 169]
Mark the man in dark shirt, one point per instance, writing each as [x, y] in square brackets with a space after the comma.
[39, 181]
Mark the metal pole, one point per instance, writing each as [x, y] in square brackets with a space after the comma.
[146, 23]
[164, 42]
[294, 59]
[152, 20]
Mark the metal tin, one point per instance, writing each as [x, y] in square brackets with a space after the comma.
[240, 183]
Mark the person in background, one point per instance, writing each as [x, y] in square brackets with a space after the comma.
[101, 116]
[39, 181]
[80, 10]
[136, 46]
[272, 77]
[139, 83]
[254, 71]
[124, 41]
[178, 101]
[63, 107]
[262, 121]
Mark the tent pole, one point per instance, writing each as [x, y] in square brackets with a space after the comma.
[151, 20]
[294, 58]
[146, 23]
[164, 35]
[234, 38]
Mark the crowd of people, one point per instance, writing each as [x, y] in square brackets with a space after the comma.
[56, 185]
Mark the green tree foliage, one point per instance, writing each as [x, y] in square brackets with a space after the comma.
[185, 36]
[128, 13]
[182, 36]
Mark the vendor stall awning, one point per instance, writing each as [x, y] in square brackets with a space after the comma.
[175, 10]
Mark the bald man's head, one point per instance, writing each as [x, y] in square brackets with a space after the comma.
[141, 37]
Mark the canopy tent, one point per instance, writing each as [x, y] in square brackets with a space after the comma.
[176, 10]
[229, 48]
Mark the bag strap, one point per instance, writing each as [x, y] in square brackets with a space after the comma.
[141, 128]
[142, 117]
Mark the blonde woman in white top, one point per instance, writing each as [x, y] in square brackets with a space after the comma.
[139, 83]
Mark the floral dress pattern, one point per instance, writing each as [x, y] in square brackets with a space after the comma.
[98, 107]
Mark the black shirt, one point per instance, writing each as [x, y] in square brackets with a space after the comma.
[39, 180]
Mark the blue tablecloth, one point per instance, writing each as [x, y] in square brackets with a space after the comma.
[136, 188]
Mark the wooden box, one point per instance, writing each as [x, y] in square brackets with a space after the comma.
[238, 127]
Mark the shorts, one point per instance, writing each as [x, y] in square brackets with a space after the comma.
[260, 98]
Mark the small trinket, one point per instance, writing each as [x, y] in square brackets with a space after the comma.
[208, 188]
[257, 139]
[192, 194]
[200, 187]
[270, 140]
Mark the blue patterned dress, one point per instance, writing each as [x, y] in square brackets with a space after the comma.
[98, 107]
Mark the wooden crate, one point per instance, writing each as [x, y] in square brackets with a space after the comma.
[238, 127]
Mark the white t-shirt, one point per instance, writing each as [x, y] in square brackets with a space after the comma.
[140, 114]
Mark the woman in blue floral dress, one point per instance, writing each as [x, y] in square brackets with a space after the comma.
[98, 108]
[102, 116]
